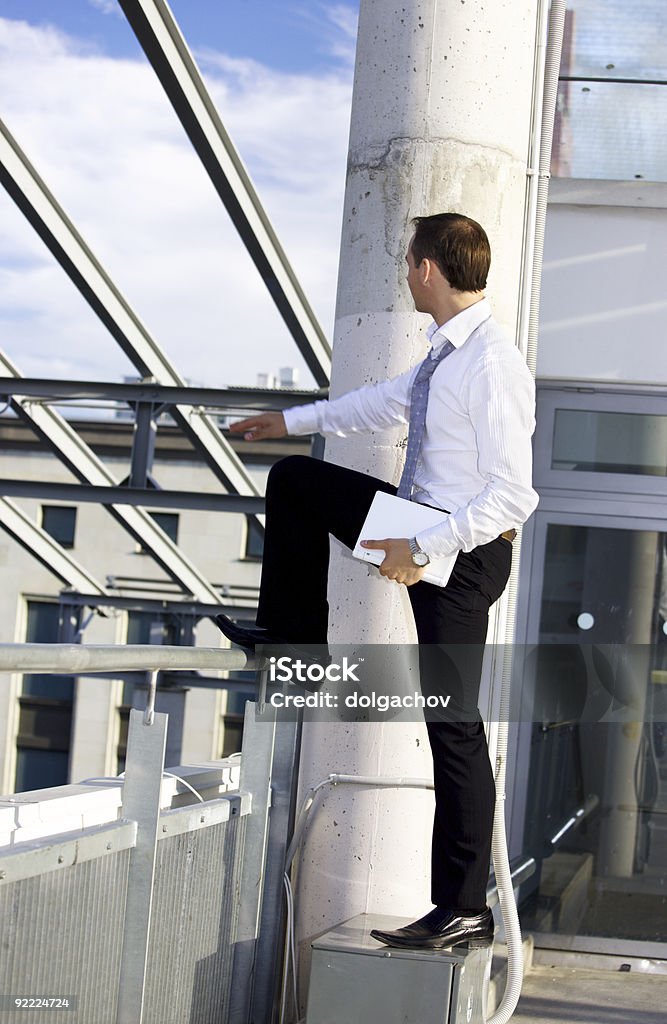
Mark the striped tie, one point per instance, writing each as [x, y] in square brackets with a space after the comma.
[418, 403]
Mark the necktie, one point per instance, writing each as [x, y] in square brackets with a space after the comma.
[418, 403]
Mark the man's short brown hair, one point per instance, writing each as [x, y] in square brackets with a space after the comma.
[457, 245]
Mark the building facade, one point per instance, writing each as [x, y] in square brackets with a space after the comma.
[60, 729]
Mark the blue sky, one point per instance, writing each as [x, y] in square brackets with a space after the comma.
[82, 101]
[80, 98]
[289, 36]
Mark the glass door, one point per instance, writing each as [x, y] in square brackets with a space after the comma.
[590, 794]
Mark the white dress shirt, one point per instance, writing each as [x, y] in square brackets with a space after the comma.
[476, 458]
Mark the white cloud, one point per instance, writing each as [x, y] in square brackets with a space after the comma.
[345, 18]
[107, 7]
[106, 141]
[335, 25]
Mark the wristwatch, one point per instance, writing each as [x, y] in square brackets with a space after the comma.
[419, 557]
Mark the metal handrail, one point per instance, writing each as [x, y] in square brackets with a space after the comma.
[70, 659]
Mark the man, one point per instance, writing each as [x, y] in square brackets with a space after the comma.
[470, 408]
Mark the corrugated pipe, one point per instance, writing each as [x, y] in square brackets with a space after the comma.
[544, 110]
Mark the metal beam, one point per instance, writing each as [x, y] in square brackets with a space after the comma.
[85, 465]
[149, 497]
[153, 24]
[58, 233]
[143, 444]
[170, 606]
[46, 550]
[75, 658]
[220, 399]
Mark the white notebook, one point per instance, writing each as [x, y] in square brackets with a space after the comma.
[390, 516]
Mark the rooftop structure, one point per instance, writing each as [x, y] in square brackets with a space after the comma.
[167, 895]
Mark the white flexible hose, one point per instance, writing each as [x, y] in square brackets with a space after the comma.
[335, 779]
[515, 964]
[534, 253]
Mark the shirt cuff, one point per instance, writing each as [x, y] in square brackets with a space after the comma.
[438, 541]
[301, 419]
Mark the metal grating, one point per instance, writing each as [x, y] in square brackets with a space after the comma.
[61, 934]
[193, 925]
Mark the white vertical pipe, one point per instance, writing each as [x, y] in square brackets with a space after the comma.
[440, 121]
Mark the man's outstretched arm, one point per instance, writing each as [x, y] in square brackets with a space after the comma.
[373, 407]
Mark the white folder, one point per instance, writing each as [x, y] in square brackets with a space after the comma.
[391, 516]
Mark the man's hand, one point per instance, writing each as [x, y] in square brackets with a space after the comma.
[398, 564]
[259, 428]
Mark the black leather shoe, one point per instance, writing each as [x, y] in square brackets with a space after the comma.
[254, 638]
[440, 929]
[243, 636]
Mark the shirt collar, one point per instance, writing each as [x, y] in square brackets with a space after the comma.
[460, 327]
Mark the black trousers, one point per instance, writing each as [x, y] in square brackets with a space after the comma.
[306, 500]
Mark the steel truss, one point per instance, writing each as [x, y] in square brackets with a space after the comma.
[160, 37]
[56, 432]
[45, 549]
[60, 236]
[148, 398]
[165, 48]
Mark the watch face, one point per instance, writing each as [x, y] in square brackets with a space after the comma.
[420, 558]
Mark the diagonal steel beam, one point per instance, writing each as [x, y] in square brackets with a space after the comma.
[154, 26]
[56, 230]
[85, 465]
[46, 550]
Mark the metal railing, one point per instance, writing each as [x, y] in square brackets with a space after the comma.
[143, 901]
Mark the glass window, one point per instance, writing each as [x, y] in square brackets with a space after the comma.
[45, 716]
[609, 131]
[167, 521]
[610, 442]
[615, 39]
[150, 628]
[42, 628]
[40, 769]
[588, 592]
[612, 103]
[254, 540]
[60, 523]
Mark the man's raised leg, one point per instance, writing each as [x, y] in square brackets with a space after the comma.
[306, 500]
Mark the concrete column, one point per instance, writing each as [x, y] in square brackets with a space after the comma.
[440, 121]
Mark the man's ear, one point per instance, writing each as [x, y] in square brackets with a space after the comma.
[425, 271]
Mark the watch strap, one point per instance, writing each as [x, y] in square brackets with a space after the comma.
[419, 557]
